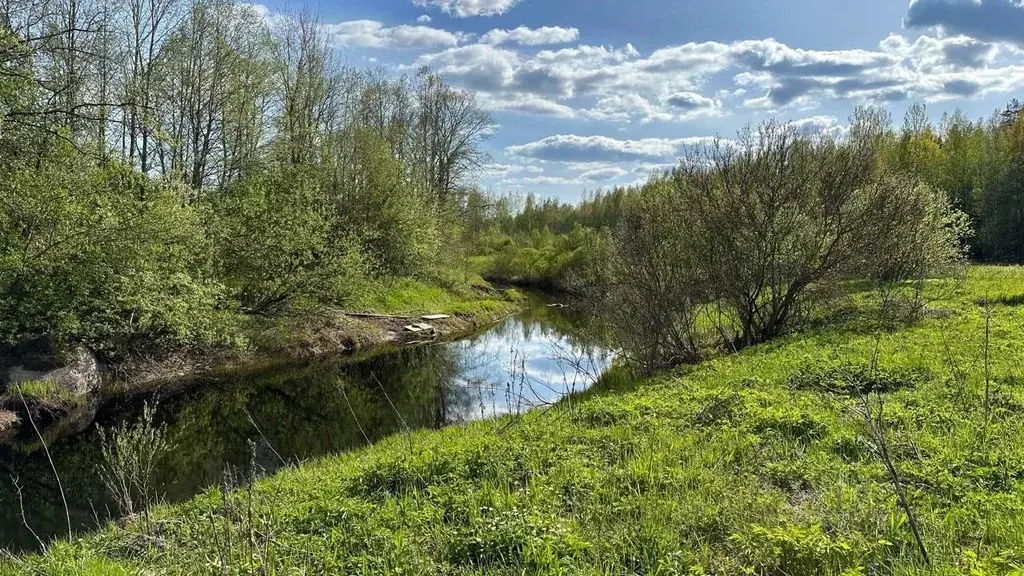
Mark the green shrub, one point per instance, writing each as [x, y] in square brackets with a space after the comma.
[275, 243]
[375, 204]
[573, 262]
[106, 256]
[746, 237]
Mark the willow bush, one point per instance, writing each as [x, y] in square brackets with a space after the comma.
[748, 233]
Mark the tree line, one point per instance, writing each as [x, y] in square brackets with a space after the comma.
[748, 236]
[979, 164]
[172, 166]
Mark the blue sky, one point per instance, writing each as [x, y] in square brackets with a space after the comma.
[589, 94]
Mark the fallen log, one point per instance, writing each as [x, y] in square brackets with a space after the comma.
[377, 316]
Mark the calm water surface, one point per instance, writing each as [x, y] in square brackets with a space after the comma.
[293, 413]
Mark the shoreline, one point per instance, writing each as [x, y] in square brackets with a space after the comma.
[330, 332]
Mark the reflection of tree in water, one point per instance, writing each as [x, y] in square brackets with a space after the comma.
[417, 381]
[75, 460]
[297, 413]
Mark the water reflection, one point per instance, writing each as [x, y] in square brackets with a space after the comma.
[520, 366]
[294, 413]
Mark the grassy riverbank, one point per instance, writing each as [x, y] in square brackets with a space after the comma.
[760, 462]
[314, 332]
[329, 330]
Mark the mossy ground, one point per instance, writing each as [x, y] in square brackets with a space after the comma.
[758, 462]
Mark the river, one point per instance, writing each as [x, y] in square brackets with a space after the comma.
[288, 414]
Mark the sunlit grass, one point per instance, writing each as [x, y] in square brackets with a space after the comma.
[47, 392]
[413, 296]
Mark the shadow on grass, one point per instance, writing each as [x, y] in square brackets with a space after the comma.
[1005, 300]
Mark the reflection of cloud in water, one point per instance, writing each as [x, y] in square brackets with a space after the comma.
[520, 365]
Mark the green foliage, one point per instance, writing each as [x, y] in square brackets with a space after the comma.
[792, 549]
[235, 170]
[546, 243]
[922, 238]
[131, 453]
[596, 210]
[970, 175]
[655, 290]
[978, 164]
[103, 255]
[746, 238]
[408, 295]
[395, 225]
[517, 538]
[1000, 203]
[572, 262]
[752, 463]
[276, 244]
[45, 392]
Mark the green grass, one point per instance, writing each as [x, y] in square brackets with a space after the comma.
[753, 463]
[474, 303]
[406, 295]
[46, 392]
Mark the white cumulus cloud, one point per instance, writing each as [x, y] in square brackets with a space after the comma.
[373, 34]
[571, 148]
[671, 84]
[532, 36]
[824, 125]
[603, 174]
[468, 8]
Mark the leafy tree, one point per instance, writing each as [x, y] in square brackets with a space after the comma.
[391, 220]
[751, 233]
[1012, 113]
[775, 214]
[918, 150]
[102, 255]
[656, 293]
[275, 244]
[960, 167]
[1002, 198]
